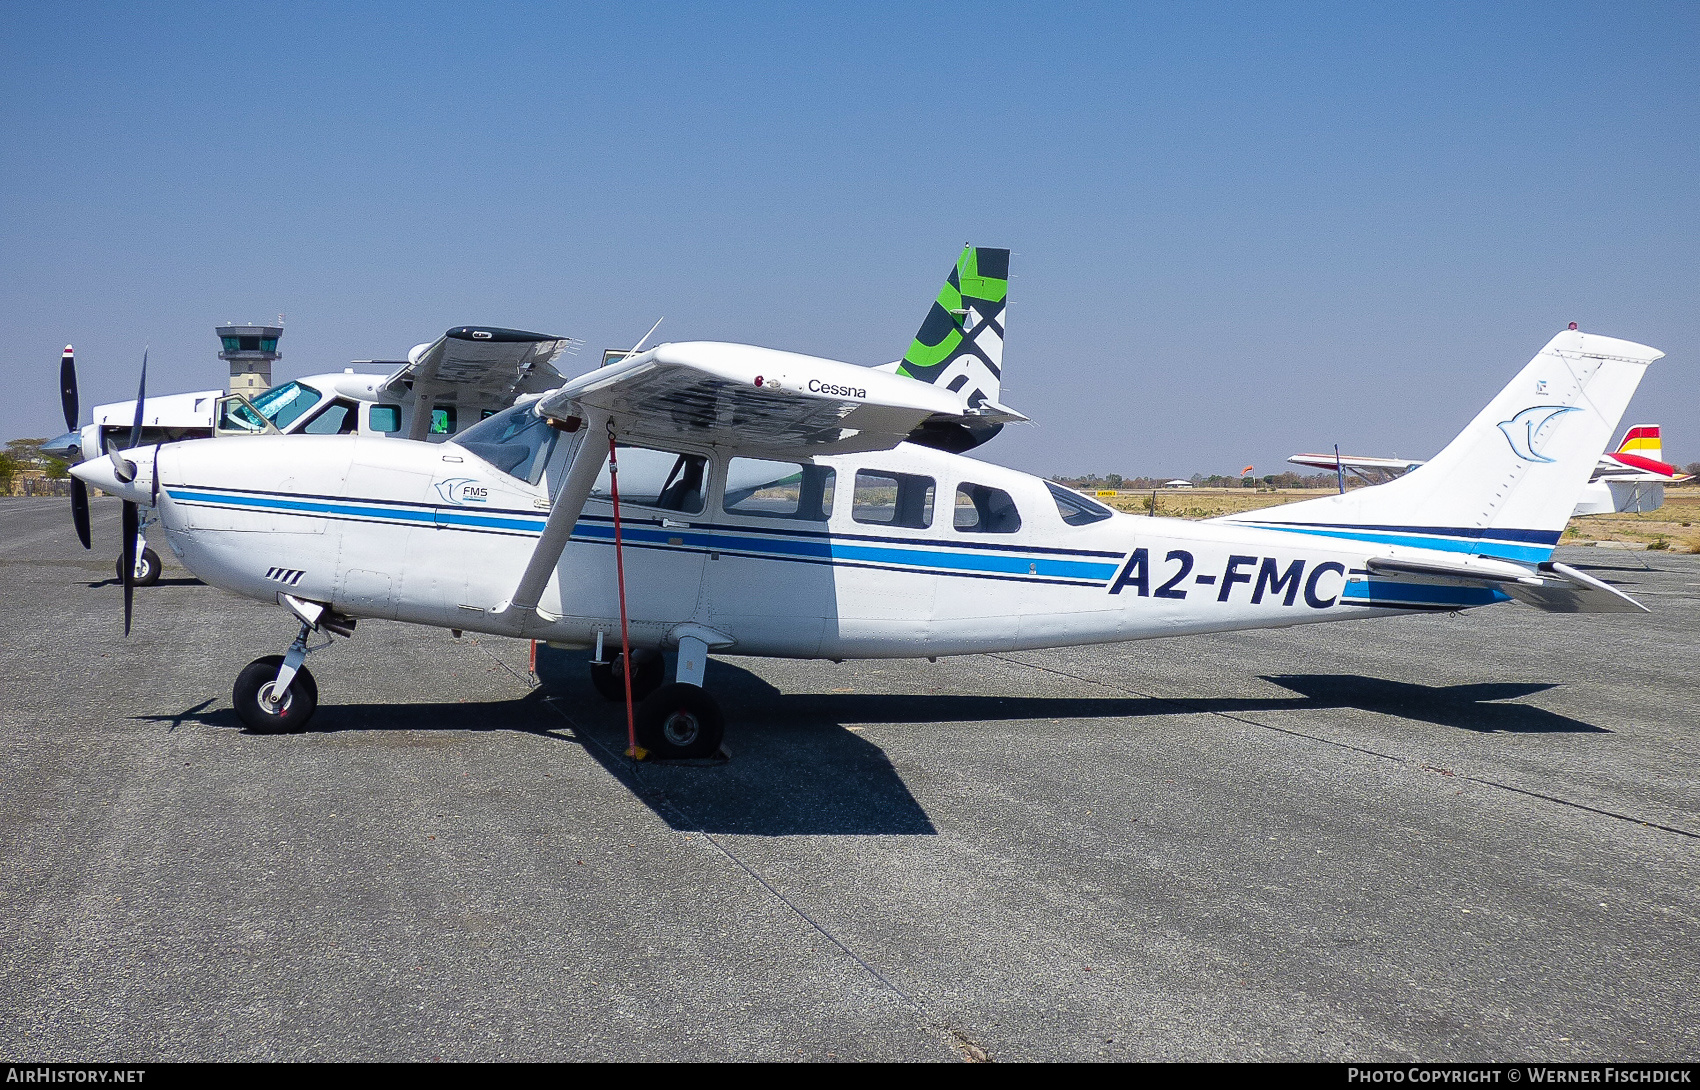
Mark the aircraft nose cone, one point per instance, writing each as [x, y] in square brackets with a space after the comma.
[101, 474]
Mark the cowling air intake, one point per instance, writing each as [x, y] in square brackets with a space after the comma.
[960, 345]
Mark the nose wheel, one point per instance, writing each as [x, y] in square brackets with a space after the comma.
[259, 705]
[277, 693]
[146, 570]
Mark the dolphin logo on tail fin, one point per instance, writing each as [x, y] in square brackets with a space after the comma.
[1528, 430]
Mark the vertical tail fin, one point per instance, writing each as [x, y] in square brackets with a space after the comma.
[1506, 486]
[1643, 440]
[960, 345]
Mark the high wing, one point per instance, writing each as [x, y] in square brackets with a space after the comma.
[762, 401]
[757, 401]
[484, 366]
[1551, 587]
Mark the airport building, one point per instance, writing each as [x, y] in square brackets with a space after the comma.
[250, 350]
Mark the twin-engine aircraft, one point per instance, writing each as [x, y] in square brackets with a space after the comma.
[713, 498]
[1631, 478]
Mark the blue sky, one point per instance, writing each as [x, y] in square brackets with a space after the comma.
[1239, 231]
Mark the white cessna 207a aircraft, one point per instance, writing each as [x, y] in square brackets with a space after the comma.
[769, 503]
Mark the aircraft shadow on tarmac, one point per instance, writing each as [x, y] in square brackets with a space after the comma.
[798, 769]
[1465, 707]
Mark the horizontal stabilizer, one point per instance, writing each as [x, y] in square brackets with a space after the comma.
[1553, 588]
[1461, 572]
[1574, 592]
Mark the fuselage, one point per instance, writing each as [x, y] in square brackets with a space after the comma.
[905, 552]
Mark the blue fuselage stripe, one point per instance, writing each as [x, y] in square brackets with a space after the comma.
[819, 549]
[1499, 550]
[1387, 592]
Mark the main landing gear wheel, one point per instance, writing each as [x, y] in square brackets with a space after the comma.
[679, 722]
[147, 568]
[609, 679]
[255, 683]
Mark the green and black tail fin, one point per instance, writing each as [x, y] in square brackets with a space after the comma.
[960, 345]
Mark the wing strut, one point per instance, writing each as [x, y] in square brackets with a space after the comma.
[563, 516]
[419, 428]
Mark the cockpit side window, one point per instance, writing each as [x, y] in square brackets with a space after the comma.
[516, 441]
[1075, 509]
[656, 478]
[338, 418]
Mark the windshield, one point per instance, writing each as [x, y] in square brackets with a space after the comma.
[282, 405]
[516, 441]
[1075, 509]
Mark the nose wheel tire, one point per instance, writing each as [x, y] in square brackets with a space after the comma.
[147, 568]
[650, 672]
[679, 722]
[291, 713]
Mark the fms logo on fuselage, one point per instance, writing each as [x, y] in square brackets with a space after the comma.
[462, 491]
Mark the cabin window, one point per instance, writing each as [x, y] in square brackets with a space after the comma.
[893, 499]
[443, 420]
[385, 419]
[778, 490]
[1076, 510]
[981, 509]
[656, 478]
[283, 405]
[337, 418]
[516, 441]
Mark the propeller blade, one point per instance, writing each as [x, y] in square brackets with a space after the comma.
[141, 399]
[80, 509]
[122, 467]
[68, 388]
[131, 528]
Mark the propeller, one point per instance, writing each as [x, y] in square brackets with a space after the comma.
[131, 529]
[73, 413]
[126, 471]
[122, 466]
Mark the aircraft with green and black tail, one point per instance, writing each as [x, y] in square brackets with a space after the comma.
[959, 346]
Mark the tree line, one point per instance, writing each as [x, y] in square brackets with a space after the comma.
[1092, 482]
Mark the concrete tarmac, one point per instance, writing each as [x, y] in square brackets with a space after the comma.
[1442, 838]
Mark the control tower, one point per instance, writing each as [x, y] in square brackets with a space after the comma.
[250, 350]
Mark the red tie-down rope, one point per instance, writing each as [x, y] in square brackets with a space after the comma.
[632, 749]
